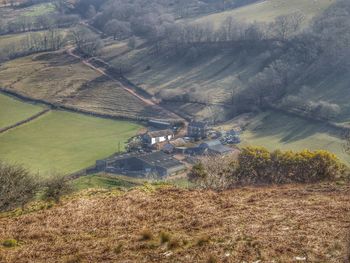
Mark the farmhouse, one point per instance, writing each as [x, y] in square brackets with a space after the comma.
[135, 164]
[154, 137]
[197, 129]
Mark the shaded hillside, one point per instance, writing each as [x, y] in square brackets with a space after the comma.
[284, 224]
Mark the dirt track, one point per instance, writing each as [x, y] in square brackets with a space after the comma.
[149, 102]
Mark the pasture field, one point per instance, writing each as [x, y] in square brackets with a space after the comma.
[8, 14]
[39, 10]
[64, 142]
[13, 110]
[280, 131]
[59, 78]
[268, 10]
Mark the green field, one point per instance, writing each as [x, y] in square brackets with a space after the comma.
[40, 9]
[281, 131]
[268, 10]
[64, 142]
[13, 111]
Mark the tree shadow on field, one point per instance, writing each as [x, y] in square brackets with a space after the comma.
[291, 128]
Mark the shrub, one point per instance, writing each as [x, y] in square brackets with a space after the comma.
[56, 187]
[256, 165]
[17, 186]
[259, 166]
[10, 243]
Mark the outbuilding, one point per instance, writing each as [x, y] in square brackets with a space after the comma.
[134, 164]
[154, 137]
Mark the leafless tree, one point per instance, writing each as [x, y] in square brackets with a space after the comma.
[17, 186]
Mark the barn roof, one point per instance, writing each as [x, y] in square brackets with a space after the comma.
[155, 134]
[154, 159]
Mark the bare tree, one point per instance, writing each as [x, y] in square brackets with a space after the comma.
[286, 26]
[86, 41]
[17, 186]
[118, 29]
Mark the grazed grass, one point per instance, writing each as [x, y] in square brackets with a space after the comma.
[268, 224]
[13, 111]
[39, 10]
[64, 142]
[280, 131]
[268, 10]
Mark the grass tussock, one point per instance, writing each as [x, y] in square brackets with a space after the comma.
[247, 224]
[8, 243]
[146, 235]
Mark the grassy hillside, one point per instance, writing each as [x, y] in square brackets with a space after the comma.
[281, 131]
[268, 10]
[214, 74]
[64, 142]
[13, 111]
[60, 78]
[281, 224]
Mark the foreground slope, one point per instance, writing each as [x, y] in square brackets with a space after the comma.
[281, 224]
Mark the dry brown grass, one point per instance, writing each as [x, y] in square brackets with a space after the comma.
[58, 78]
[249, 224]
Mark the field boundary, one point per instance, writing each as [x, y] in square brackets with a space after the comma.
[20, 123]
[59, 106]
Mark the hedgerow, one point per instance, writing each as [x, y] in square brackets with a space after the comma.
[256, 165]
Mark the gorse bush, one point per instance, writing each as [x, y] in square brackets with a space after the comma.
[256, 165]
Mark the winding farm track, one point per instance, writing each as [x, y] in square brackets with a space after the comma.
[70, 51]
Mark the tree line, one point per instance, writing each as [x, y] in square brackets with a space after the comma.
[290, 48]
[34, 42]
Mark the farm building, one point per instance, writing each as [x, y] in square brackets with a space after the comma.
[134, 164]
[212, 147]
[154, 137]
[160, 124]
[197, 129]
[215, 147]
